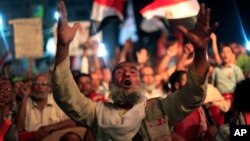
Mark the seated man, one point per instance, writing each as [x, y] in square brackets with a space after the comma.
[38, 110]
[129, 117]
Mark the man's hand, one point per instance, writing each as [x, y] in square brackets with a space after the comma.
[213, 37]
[172, 50]
[188, 48]
[200, 35]
[65, 32]
[25, 90]
[142, 56]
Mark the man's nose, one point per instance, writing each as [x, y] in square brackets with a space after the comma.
[126, 74]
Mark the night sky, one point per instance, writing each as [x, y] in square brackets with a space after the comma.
[233, 17]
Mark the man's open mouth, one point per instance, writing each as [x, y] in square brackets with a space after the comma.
[127, 83]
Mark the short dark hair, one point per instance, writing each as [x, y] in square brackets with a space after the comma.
[228, 46]
[78, 76]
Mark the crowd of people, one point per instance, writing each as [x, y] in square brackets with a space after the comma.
[182, 93]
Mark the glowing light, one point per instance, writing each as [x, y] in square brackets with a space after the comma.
[3, 37]
[56, 15]
[51, 46]
[102, 52]
[1, 22]
[248, 46]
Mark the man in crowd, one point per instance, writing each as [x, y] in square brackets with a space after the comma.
[8, 130]
[150, 88]
[38, 110]
[129, 117]
[85, 85]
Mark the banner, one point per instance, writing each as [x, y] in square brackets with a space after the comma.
[82, 36]
[28, 38]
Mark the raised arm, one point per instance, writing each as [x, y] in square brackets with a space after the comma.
[21, 114]
[199, 37]
[171, 52]
[65, 91]
[65, 34]
[215, 49]
[192, 95]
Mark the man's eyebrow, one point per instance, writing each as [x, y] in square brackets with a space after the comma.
[134, 68]
[118, 68]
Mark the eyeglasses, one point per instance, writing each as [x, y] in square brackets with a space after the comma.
[45, 83]
[5, 91]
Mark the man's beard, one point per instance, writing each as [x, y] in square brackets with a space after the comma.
[123, 97]
[39, 96]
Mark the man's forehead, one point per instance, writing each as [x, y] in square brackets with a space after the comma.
[4, 83]
[126, 65]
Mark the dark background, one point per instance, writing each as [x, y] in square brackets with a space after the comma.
[232, 15]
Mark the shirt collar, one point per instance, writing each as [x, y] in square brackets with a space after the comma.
[49, 101]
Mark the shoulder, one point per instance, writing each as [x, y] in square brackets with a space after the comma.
[236, 67]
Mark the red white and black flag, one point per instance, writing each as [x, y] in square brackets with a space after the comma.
[175, 12]
[105, 10]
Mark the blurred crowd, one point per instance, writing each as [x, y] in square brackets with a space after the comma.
[27, 101]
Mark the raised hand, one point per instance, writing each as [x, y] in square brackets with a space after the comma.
[142, 56]
[200, 35]
[213, 36]
[65, 33]
[188, 48]
[172, 50]
[128, 46]
[25, 90]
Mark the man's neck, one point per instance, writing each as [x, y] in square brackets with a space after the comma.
[126, 107]
[226, 64]
[41, 103]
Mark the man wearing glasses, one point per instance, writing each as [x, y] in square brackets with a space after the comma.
[38, 110]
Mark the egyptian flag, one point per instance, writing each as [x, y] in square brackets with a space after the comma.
[103, 11]
[173, 12]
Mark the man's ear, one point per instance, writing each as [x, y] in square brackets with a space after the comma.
[177, 85]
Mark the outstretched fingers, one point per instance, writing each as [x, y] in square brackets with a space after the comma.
[191, 36]
[203, 17]
[63, 13]
[207, 17]
[75, 27]
[183, 30]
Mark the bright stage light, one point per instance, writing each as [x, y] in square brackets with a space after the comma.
[1, 22]
[248, 46]
[102, 52]
[56, 15]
